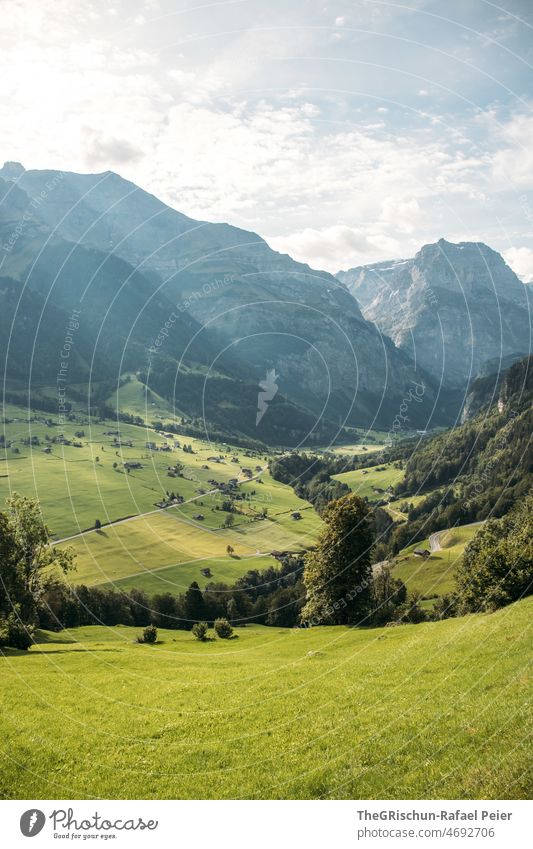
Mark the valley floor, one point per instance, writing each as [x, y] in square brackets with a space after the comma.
[437, 710]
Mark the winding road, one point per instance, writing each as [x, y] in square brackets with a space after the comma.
[434, 541]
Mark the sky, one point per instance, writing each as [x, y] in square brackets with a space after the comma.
[342, 132]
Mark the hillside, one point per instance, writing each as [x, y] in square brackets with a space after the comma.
[453, 307]
[202, 310]
[89, 469]
[476, 470]
[433, 575]
[417, 711]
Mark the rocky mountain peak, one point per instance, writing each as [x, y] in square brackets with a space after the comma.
[452, 307]
[11, 170]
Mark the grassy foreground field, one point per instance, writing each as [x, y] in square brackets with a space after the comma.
[437, 710]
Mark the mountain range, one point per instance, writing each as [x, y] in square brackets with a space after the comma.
[224, 306]
[203, 312]
[454, 308]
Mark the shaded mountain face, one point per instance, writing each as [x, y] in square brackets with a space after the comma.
[204, 311]
[452, 308]
[498, 385]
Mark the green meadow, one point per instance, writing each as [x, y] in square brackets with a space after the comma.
[153, 549]
[77, 484]
[178, 577]
[364, 482]
[166, 549]
[435, 575]
[436, 710]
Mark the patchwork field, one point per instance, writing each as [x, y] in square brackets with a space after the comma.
[142, 546]
[166, 549]
[325, 712]
[89, 479]
[79, 482]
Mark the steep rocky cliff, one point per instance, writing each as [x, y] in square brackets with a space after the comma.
[453, 307]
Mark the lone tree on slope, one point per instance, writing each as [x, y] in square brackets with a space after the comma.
[338, 575]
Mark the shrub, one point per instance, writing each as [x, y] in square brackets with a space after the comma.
[15, 634]
[199, 630]
[388, 594]
[149, 635]
[223, 629]
[445, 607]
[410, 610]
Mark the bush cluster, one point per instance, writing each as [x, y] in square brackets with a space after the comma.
[149, 635]
[15, 634]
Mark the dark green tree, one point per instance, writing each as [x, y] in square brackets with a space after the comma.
[194, 604]
[338, 575]
[497, 566]
[387, 594]
[11, 586]
[36, 558]
[149, 635]
[164, 606]
[232, 610]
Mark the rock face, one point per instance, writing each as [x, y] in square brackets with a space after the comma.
[254, 309]
[452, 308]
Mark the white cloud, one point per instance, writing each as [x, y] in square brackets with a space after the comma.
[105, 151]
[335, 247]
[227, 118]
[513, 162]
[402, 213]
[521, 261]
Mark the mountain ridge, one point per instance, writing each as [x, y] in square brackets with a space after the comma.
[452, 307]
[272, 313]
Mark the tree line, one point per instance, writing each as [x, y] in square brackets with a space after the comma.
[333, 585]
